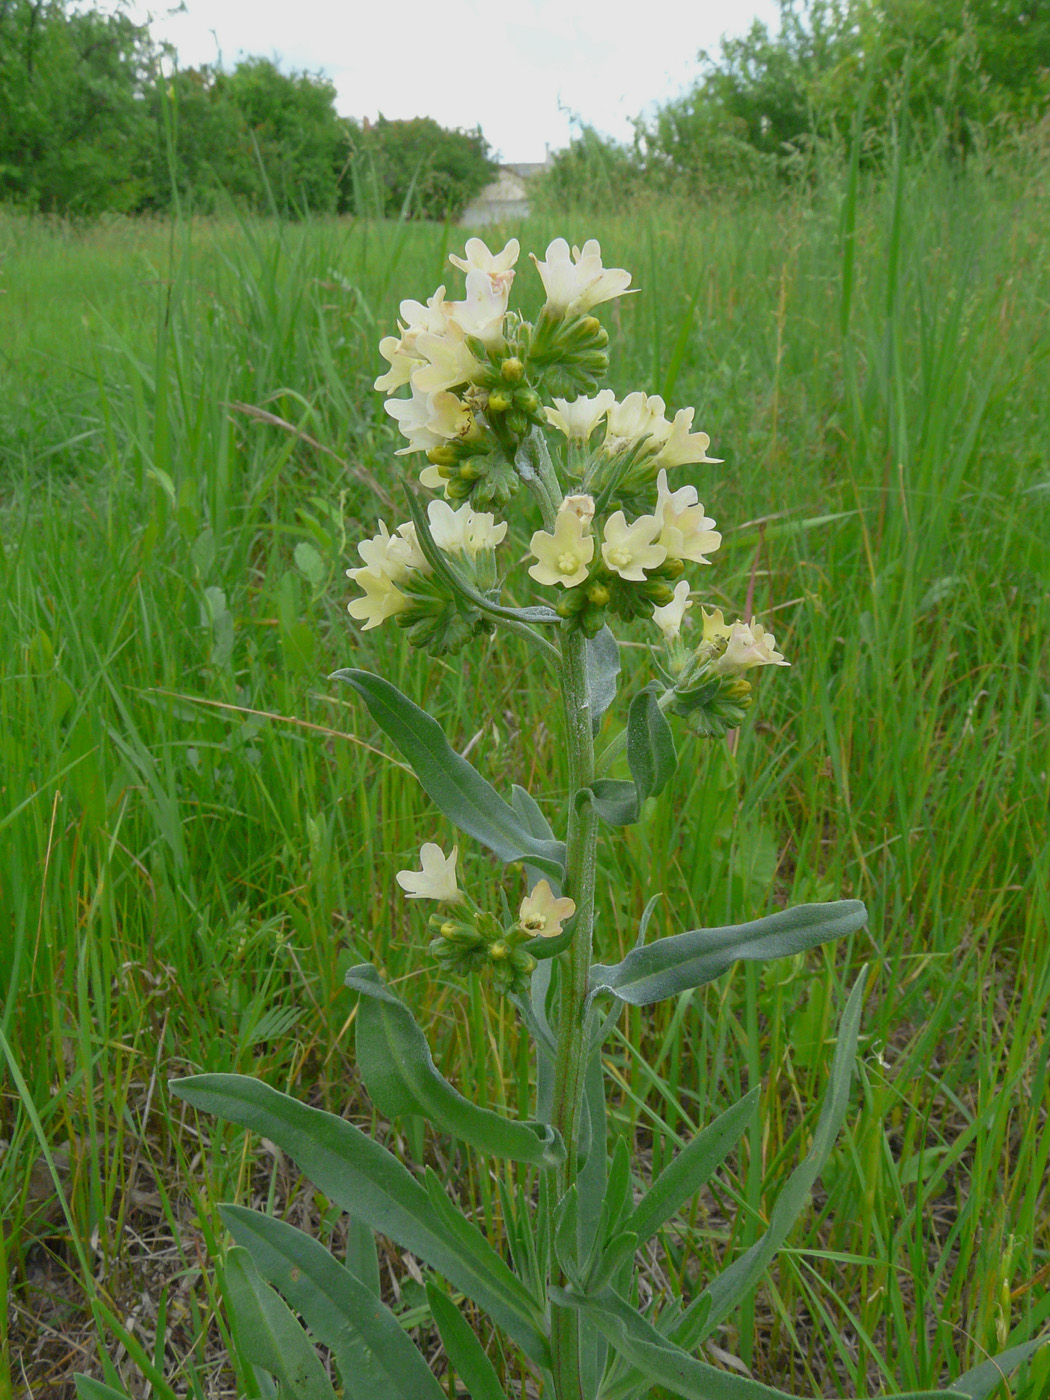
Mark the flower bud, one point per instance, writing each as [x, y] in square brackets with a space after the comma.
[500, 950]
[499, 401]
[598, 594]
[443, 456]
[512, 370]
[527, 400]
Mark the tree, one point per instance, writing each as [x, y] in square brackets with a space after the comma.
[420, 168]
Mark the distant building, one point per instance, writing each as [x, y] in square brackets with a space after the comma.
[506, 197]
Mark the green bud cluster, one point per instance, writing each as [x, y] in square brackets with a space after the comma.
[441, 623]
[569, 354]
[713, 705]
[474, 945]
[604, 591]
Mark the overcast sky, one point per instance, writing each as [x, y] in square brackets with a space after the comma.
[521, 69]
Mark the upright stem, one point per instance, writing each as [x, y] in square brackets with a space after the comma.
[574, 970]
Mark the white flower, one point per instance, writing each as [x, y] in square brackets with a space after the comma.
[631, 549]
[483, 311]
[541, 913]
[392, 348]
[583, 506]
[748, 644]
[637, 417]
[412, 417]
[574, 287]
[449, 417]
[449, 362]
[391, 554]
[463, 531]
[382, 598]
[478, 256]
[401, 352]
[436, 879]
[685, 531]
[564, 555]
[579, 418]
[669, 618]
[680, 446]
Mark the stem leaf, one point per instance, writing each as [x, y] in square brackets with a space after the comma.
[376, 1359]
[465, 1353]
[662, 1363]
[363, 1178]
[651, 754]
[603, 670]
[683, 1177]
[684, 961]
[401, 1078]
[453, 784]
[270, 1335]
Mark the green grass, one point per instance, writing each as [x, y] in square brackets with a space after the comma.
[197, 832]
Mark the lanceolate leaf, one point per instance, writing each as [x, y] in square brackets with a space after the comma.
[603, 669]
[453, 784]
[270, 1335]
[660, 1362]
[683, 1177]
[651, 754]
[376, 1360]
[365, 1179]
[465, 1353]
[400, 1076]
[672, 965]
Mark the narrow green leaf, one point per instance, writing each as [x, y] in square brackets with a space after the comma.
[678, 964]
[401, 1077]
[614, 799]
[366, 1180]
[88, 1389]
[737, 1281]
[982, 1380]
[465, 1353]
[683, 1177]
[453, 784]
[660, 1362]
[376, 1360]
[651, 754]
[270, 1335]
[603, 670]
[362, 1257]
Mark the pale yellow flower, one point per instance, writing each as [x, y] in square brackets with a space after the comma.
[748, 644]
[669, 617]
[631, 549]
[437, 877]
[574, 287]
[478, 256]
[463, 531]
[382, 598]
[482, 313]
[401, 352]
[541, 913]
[412, 417]
[685, 531]
[402, 365]
[564, 555]
[637, 417]
[391, 554]
[680, 446]
[578, 419]
[449, 362]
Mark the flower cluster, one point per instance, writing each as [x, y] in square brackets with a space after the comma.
[397, 579]
[469, 939]
[476, 371]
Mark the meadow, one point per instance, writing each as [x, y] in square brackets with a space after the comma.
[198, 832]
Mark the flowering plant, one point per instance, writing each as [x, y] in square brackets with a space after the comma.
[509, 417]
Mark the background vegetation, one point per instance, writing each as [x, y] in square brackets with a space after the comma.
[197, 833]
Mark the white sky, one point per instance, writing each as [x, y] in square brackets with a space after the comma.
[519, 68]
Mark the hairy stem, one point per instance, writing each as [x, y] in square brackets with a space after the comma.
[574, 970]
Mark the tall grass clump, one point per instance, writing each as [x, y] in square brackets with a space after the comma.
[186, 870]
